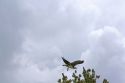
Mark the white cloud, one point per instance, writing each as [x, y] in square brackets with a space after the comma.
[106, 53]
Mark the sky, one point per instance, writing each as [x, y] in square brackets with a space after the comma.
[34, 34]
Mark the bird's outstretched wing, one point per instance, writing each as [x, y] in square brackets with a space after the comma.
[74, 63]
[65, 61]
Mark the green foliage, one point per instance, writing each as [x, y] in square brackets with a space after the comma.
[87, 76]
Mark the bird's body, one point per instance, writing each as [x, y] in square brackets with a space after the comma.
[71, 64]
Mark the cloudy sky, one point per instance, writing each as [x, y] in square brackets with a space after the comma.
[34, 34]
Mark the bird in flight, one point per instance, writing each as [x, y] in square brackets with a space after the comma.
[71, 64]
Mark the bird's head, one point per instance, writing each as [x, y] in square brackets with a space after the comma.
[82, 61]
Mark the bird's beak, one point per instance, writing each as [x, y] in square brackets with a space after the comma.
[63, 65]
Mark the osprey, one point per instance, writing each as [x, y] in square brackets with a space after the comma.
[71, 64]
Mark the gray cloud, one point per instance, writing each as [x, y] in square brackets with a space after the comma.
[10, 39]
[34, 34]
[61, 33]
